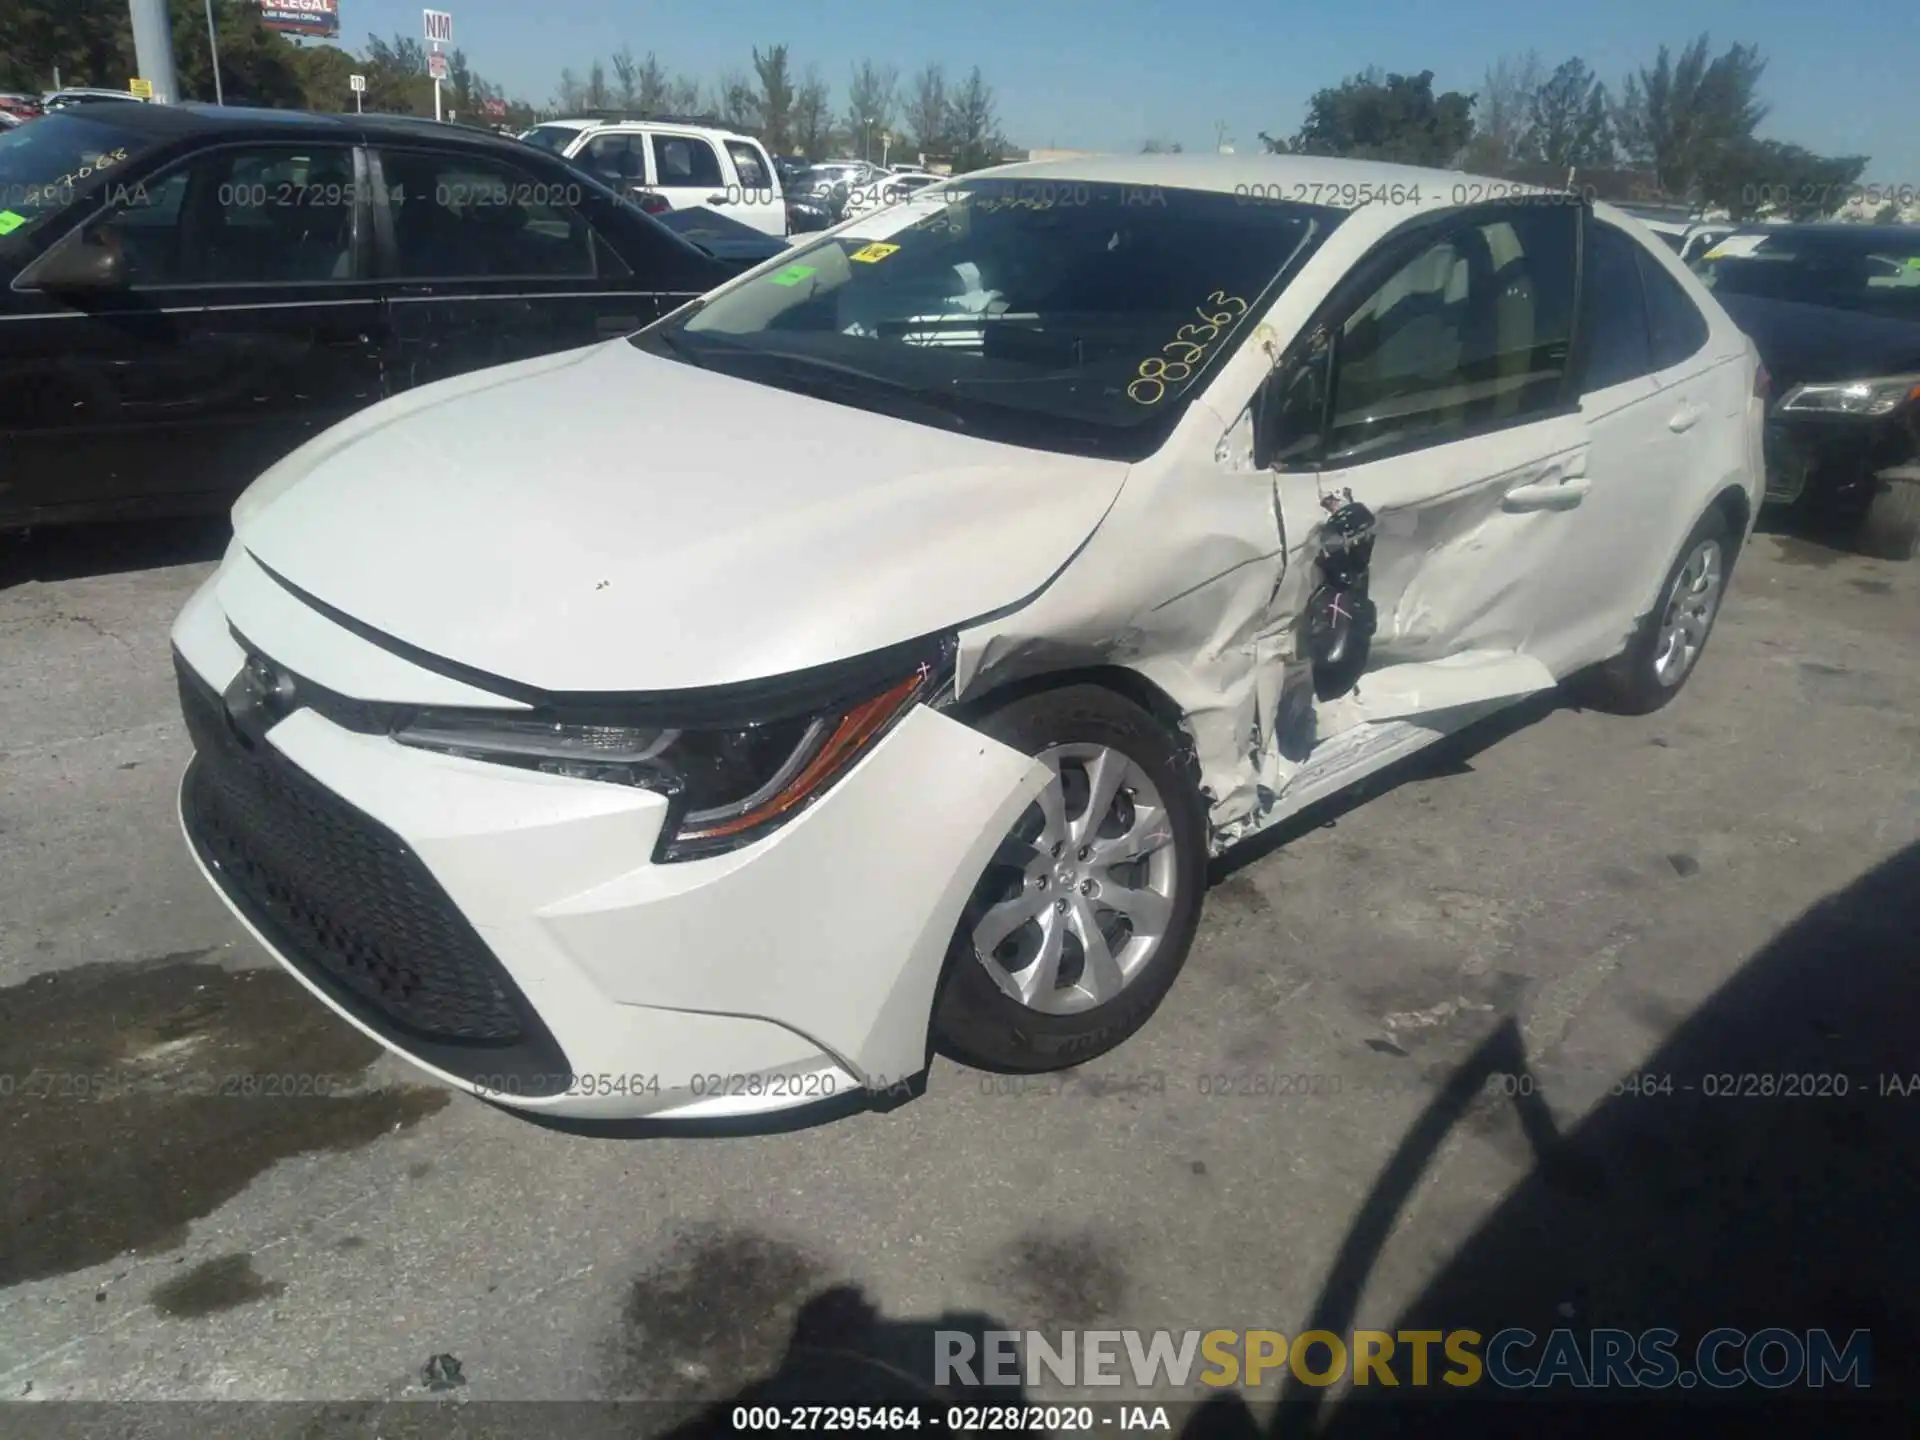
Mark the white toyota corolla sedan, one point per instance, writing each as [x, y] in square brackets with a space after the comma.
[868, 658]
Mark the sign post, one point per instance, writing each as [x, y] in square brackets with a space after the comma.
[439, 28]
[357, 84]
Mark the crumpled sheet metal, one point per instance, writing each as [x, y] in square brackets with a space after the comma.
[1201, 607]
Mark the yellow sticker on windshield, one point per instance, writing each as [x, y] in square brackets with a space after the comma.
[873, 254]
[10, 222]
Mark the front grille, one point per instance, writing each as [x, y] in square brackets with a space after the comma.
[345, 900]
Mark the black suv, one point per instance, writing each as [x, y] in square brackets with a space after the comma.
[187, 293]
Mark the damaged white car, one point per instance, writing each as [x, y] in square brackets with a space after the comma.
[869, 657]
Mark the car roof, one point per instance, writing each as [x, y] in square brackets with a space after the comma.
[1839, 232]
[574, 122]
[173, 122]
[1228, 174]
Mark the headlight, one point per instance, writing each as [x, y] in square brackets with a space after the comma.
[726, 786]
[1880, 396]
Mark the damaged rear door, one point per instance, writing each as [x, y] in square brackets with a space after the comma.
[1436, 387]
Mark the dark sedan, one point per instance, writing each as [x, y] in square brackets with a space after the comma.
[188, 293]
[1835, 313]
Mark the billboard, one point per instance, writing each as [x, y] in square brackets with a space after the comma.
[319, 18]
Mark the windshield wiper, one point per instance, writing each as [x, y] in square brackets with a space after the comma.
[669, 341]
[812, 373]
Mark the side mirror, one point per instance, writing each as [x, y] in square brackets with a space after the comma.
[1289, 415]
[83, 263]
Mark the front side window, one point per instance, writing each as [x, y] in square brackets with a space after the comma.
[1070, 314]
[618, 160]
[469, 217]
[1614, 310]
[685, 160]
[241, 216]
[1471, 332]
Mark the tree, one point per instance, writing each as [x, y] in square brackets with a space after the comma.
[397, 80]
[926, 110]
[1371, 116]
[90, 42]
[256, 65]
[775, 100]
[683, 95]
[1503, 112]
[626, 79]
[599, 97]
[973, 125]
[1569, 124]
[570, 95]
[736, 101]
[1676, 116]
[872, 92]
[1749, 176]
[464, 96]
[813, 116]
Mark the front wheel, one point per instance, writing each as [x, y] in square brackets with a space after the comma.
[1890, 530]
[1083, 917]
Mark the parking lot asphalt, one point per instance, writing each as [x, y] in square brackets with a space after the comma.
[1414, 1012]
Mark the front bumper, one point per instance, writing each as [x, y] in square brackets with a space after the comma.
[1833, 461]
[507, 931]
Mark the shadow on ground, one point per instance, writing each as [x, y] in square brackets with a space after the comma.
[68, 552]
[1688, 1211]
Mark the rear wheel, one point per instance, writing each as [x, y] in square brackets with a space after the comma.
[1084, 916]
[1664, 650]
[1890, 530]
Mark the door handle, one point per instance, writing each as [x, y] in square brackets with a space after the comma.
[1686, 417]
[1556, 490]
[715, 199]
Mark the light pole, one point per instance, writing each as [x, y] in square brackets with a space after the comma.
[153, 48]
[213, 44]
[866, 137]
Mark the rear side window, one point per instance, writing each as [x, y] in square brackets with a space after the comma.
[619, 160]
[1614, 309]
[753, 169]
[1678, 329]
[685, 160]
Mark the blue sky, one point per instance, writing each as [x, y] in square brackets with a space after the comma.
[1843, 77]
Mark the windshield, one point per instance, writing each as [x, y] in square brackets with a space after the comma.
[43, 166]
[1875, 273]
[1059, 314]
[551, 137]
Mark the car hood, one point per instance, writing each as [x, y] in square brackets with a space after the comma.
[1802, 343]
[607, 519]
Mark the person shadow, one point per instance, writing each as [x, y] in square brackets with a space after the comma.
[844, 1353]
[1707, 1205]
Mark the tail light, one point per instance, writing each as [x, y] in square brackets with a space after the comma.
[652, 202]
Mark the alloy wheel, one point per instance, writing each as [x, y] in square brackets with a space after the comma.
[1688, 614]
[1077, 899]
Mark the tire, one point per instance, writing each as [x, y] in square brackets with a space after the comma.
[1086, 729]
[1890, 530]
[1640, 679]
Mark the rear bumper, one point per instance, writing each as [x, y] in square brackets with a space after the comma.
[507, 931]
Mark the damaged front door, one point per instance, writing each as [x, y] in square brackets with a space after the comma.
[1437, 393]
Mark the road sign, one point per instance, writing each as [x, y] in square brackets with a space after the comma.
[496, 109]
[439, 26]
[437, 65]
[142, 88]
[357, 84]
